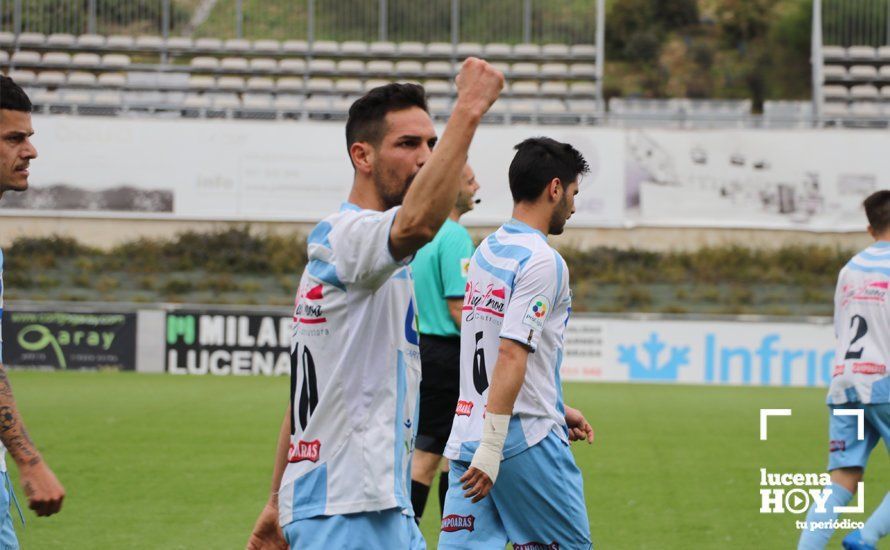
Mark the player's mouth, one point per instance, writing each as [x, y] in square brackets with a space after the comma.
[23, 171]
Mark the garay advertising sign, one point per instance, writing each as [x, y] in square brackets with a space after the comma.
[82, 341]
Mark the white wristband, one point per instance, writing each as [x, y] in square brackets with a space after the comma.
[487, 457]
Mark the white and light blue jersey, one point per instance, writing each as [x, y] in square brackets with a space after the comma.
[862, 327]
[517, 288]
[355, 373]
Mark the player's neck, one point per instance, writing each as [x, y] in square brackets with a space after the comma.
[365, 196]
[532, 217]
[455, 215]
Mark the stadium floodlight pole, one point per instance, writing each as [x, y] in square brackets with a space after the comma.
[310, 23]
[816, 61]
[600, 53]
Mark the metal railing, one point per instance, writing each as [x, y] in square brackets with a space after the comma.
[856, 22]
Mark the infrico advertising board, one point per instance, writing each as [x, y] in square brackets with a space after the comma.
[226, 343]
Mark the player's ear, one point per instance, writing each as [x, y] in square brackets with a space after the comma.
[555, 190]
[872, 232]
[362, 155]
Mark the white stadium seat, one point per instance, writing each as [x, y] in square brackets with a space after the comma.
[23, 77]
[885, 93]
[524, 70]
[86, 60]
[324, 47]
[497, 49]
[884, 73]
[318, 104]
[26, 58]
[196, 101]
[527, 50]
[322, 66]
[382, 48]
[440, 105]
[230, 83]
[834, 72]
[380, 67]
[864, 91]
[295, 47]
[555, 70]
[120, 42]
[149, 42]
[320, 85]
[289, 84]
[112, 80]
[81, 79]
[551, 106]
[583, 70]
[467, 49]
[863, 72]
[90, 41]
[292, 66]
[109, 98]
[180, 43]
[349, 86]
[31, 39]
[439, 68]
[436, 49]
[238, 45]
[57, 59]
[263, 64]
[354, 47]
[555, 87]
[260, 84]
[201, 82]
[288, 102]
[405, 68]
[46, 97]
[582, 88]
[870, 110]
[266, 46]
[234, 64]
[206, 63]
[884, 54]
[524, 87]
[372, 83]
[579, 51]
[115, 60]
[834, 53]
[834, 92]
[351, 67]
[225, 101]
[862, 53]
[416, 49]
[258, 101]
[4, 57]
[7, 39]
[76, 97]
[555, 50]
[60, 40]
[582, 105]
[440, 87]
[209, 44]
[51, 78]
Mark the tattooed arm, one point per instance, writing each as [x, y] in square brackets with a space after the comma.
[43, 490]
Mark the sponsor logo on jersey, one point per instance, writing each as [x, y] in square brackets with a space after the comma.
[304, 450]
[536, 546]
[490, 303]
[869, 368]
[464, 267]
[464, 408]
[455, 522]
[308, 311]
[875, 291]
[536, 312]
[836, 445]
[838, 370]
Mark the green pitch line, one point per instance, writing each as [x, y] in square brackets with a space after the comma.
[185, 462]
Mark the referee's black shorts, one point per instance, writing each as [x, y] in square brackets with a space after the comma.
[439, 391]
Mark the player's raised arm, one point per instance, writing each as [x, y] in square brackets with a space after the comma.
[434, 191]
[43, 490]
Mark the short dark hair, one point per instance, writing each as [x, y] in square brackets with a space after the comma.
[367, 116]
[12, 96]
[877, 210]
[540, 159]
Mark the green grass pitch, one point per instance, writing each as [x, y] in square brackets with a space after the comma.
[185, 462]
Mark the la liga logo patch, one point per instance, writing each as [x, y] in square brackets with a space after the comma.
[536, 312]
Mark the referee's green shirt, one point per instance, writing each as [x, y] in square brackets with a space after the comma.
[440, 272]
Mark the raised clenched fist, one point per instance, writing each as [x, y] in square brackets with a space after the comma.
[478, 85]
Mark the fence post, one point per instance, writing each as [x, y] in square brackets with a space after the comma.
[239, 19]
[165, 28]
[17, 21]
[310, 23]
[455, 26]
[91, 17]
[816, 61]
[600, 54]
[384, 16]
[527, 22]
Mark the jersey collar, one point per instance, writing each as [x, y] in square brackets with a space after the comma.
[349, 206]
[516, 226]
